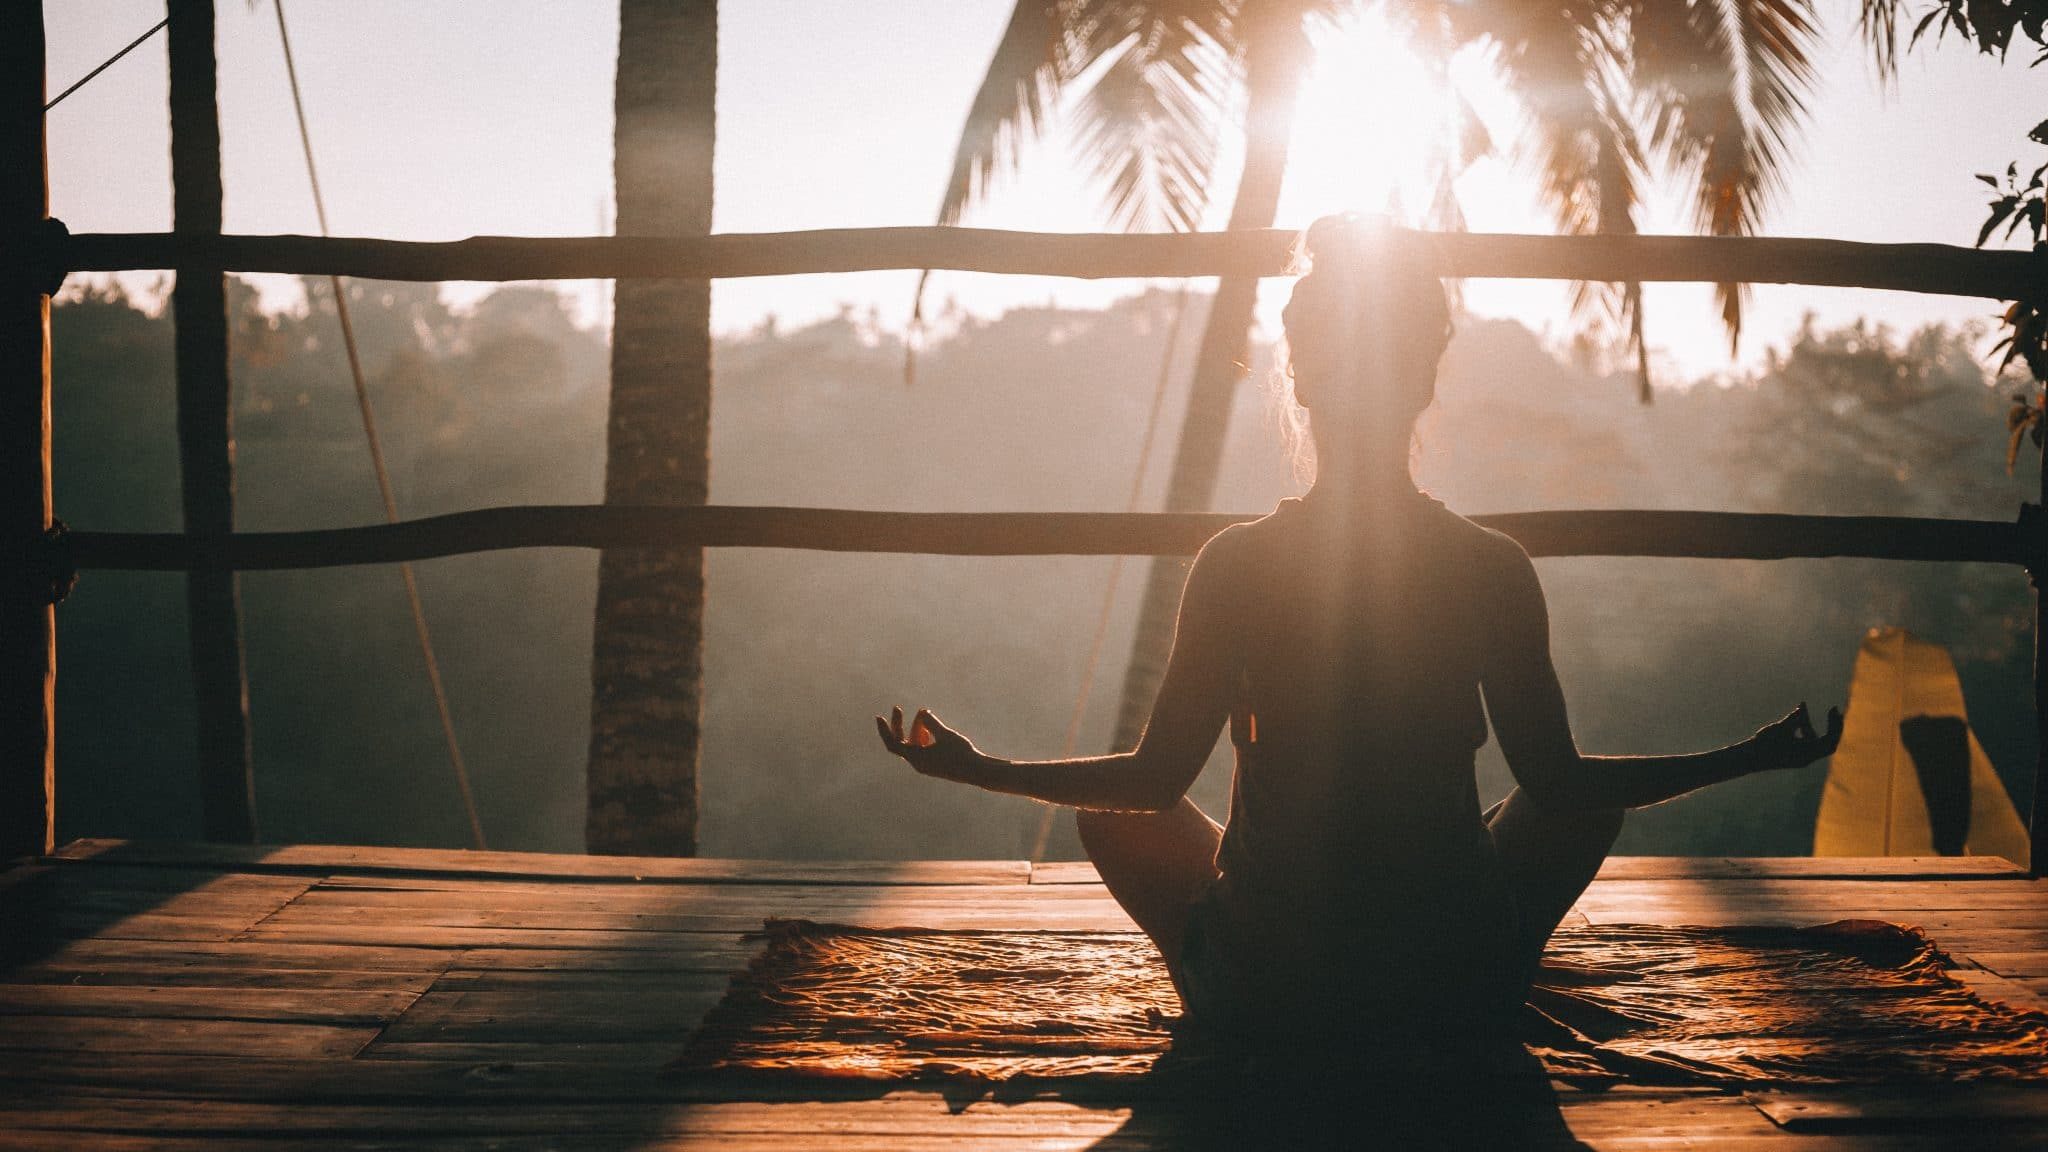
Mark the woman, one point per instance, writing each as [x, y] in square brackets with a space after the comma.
[1349, 639]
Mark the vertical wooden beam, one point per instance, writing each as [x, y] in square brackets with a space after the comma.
[206, 437]
[28, 620]
[2037, 822]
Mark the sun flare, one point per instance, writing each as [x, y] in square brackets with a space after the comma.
[1375, 124]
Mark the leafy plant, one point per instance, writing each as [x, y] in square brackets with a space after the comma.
[2022, 205]
[1991, 25]
[2016, 205]
[2026, 324]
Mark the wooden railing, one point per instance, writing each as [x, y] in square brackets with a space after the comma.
[35, 254]
[1713, 535]
[1942, 269]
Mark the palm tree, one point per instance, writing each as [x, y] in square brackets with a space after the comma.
[206, 438]
[647, 650]
[1707, 92]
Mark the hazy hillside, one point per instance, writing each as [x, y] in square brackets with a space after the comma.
[1040, 409]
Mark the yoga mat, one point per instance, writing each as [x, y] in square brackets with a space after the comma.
[1845, 1003]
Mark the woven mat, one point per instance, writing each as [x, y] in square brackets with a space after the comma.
[1853, 1002]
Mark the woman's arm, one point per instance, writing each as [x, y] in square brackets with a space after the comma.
[1528, 713]
[1193, 702]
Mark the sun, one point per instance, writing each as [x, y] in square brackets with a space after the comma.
[1375, 123]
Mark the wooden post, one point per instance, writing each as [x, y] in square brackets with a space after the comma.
[206, 440]
[28, 619]
[2037, 821]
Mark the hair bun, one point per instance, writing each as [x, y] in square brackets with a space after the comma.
[1363, 265]
[1347, 234]
[1360, 240]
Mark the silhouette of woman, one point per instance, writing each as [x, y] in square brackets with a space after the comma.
[1357, 641]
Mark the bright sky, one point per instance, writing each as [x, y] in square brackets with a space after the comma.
[436, 121]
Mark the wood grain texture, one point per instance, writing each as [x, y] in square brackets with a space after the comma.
[218, 996]
[455, 864]
[1895, 1108]
[1710, 868]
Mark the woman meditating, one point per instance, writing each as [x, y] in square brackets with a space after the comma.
[1357, 641]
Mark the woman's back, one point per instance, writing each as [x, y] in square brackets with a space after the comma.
[1355, 830]
[1346, 638]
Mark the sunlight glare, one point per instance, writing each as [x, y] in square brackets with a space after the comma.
[1374, 124]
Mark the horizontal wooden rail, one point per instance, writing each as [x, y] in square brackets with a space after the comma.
[1713, 535]
[1935, 268]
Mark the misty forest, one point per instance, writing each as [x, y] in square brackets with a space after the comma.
[503, 402]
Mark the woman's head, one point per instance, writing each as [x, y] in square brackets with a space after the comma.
[1365, 328]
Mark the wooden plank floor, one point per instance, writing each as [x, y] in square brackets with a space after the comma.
[177, 996]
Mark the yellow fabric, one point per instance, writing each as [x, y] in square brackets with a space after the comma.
[1873, 805]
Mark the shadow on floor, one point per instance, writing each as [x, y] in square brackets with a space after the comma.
[1315, 1100]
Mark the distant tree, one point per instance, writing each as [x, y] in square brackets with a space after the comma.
[647, 649]
[1710, 90]
[1857, 421]
[505, 403]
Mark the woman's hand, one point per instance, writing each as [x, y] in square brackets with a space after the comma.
[932, 748]
[1792, 742]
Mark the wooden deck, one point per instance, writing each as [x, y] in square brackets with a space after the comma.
[185, 997]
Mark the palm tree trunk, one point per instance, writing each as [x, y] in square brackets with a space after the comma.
[206, 435]
[1275, 57]
[647, 650]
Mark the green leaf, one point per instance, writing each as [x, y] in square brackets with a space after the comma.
[2000, 209]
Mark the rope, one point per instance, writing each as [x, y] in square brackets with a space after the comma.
[108, 63]
[355, 369]
[1116, 567]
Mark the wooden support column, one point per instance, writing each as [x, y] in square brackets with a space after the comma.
[206, 439]
[2036, 525]
[28, 620]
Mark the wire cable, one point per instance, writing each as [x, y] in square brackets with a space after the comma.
[355, 368]
[1116, 567]
[108, 63]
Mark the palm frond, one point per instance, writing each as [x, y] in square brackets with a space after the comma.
[1563, 66]
[1722, 87]
[1687, 77]
[1010, 106]
[1151, 130]
[1551, 61]
[1432, 30]
[1779, 38]
[1877, 22]
[1474, 141]
[1148, 123]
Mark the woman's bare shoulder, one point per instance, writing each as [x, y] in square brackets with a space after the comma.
[1244, 545]
[1250, 533]
[1498, 555]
